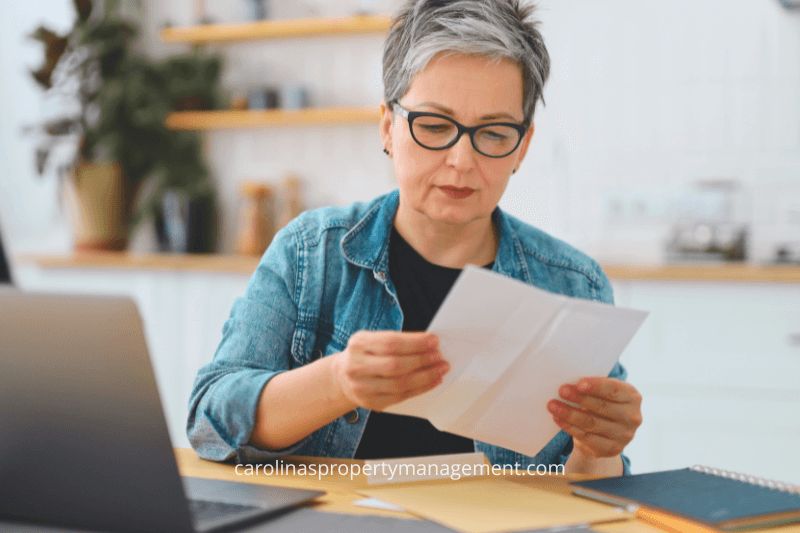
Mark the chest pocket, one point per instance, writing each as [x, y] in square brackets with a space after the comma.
[315, 339]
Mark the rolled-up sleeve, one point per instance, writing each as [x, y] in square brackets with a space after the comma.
[255, 347]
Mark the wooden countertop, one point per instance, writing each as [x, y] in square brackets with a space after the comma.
[341, 490]
[731, 272]
[230, 264]
[238, 264]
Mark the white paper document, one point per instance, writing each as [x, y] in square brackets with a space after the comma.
[375, 503]
[510, 347]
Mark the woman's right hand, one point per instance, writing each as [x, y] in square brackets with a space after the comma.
[379, 368]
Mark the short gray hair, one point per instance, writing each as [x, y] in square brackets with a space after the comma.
[496, 29]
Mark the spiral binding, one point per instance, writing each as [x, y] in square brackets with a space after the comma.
[745, 478]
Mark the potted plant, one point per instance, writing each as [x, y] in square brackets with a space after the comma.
[96, 78]
[181, 196]
[192, 80]
[115, 130]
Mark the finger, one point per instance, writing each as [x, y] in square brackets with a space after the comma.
[593, 404]
[415, 392]
[591, 423]
[610, 389]
[599, 445]
[401, 385]
[394, 366]
[422, 377]
[393, 342]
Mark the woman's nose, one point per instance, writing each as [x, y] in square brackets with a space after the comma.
[462, 154]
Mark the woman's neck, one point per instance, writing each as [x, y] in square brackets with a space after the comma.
[449, 245]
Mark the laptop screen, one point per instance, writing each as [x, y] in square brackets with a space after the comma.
[5, 269]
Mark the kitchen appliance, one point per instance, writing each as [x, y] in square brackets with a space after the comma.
[709, 223]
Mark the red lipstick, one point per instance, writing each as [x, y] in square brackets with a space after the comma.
[457, 193]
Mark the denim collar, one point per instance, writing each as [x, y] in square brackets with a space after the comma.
[367, 243]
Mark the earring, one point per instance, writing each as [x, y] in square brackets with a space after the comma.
[514, 171]
[385, 151]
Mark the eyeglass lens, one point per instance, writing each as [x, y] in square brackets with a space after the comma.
[494, 140]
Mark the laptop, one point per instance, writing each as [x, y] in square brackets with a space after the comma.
[5, 267]
[84, 442]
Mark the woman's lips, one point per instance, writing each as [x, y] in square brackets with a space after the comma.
[457, 193]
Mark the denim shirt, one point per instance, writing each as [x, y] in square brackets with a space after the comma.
[324, 277]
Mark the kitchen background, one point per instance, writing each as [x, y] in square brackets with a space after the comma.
[668, 149]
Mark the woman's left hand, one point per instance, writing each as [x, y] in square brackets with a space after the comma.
[607, 416]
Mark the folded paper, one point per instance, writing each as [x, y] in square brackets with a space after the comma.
[510, 347]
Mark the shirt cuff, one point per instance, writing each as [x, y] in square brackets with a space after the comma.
[223, 431]
[626, 465]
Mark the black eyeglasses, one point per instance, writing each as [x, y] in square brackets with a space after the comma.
[439, 132]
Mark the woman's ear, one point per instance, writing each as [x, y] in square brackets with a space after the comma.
[385, 128]
[523, 148]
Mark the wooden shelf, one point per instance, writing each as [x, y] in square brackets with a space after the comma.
[212, 120]
[276, 29]
[238, 264]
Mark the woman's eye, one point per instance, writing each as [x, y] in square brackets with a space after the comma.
[495, 136]
[436, 128]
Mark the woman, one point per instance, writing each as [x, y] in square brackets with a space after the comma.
[312, 353]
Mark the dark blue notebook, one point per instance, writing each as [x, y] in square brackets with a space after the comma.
[721, 499]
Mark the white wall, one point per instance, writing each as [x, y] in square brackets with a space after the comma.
[29, 212]
[645, 95]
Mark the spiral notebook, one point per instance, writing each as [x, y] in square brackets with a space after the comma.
[720, 499]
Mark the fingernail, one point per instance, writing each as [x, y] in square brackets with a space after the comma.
[443, 369]
[565, 391]
[584, 386]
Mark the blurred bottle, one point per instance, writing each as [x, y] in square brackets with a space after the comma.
[292, 204]
[257, 9]
[256, 227]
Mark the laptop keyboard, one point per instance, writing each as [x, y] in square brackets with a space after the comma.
[203, 510]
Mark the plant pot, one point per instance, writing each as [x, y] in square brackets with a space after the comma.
[192, 103]
[95, 194]
[186, 223]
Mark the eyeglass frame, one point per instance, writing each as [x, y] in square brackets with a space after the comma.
[410, 116]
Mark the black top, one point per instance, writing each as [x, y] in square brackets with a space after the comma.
[421, 287]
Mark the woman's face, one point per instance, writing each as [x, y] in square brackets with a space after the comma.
[457, 185]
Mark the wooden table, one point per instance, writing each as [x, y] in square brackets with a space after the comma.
[341, 490]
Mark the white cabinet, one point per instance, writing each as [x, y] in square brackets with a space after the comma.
[718, 366]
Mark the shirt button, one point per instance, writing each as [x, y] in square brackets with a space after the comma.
[352, 416]
[380, 276]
